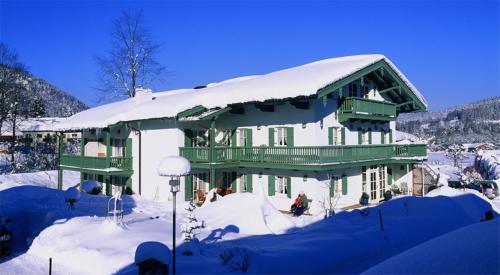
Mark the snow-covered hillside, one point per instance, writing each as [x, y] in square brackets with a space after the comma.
[243, 233]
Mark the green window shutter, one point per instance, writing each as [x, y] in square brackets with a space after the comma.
[370, 137]
[330, 135]
[332, 187]
[249, 183]
[289, 137]
[342, 133]
[390, 136]
[188, 136]
[288, 187]
[188, 188]
[360, 136]
[344, 185]
[271, 188]
[249, 138]
[128, 148]
[233, 138]
[382, 140]
[234, 177]
[271, 137]
[128, 186]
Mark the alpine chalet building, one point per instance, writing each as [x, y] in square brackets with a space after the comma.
[326, 128]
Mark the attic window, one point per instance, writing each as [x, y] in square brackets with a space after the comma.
[200, 87]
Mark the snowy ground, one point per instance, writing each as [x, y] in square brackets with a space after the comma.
[442, 164]
[244, 233]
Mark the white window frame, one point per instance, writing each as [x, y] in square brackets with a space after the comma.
[364, 136]
[280, 137]
[242, 183]
[280, 186]
[243, 137]
[118, 148]
[382, 180]
[337, 187]
[199, 181]
[373, 183]
[337, 135]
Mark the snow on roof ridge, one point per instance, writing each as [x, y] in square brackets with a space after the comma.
[303, 80]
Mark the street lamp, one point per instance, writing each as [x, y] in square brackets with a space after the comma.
[174, 167]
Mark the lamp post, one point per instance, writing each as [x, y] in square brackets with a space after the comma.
[174, 167]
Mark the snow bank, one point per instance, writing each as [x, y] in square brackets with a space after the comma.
[243, 213]
[42, 179]
[474, 249]
[303, 80]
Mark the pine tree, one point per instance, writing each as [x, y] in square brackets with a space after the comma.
[190, 228]
[37, 108]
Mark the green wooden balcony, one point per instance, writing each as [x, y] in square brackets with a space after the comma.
[353, 108]
[82, 163]
[304, 155]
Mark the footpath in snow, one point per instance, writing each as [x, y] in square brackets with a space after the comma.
[244, 233]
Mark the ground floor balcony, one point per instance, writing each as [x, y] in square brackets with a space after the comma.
[102, 165]
[314, 158]
[353, 108]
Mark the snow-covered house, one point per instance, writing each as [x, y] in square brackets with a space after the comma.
[325, 128]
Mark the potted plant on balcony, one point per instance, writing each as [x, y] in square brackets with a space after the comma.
[364, 199]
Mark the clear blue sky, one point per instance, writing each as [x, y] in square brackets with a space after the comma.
[448, 49]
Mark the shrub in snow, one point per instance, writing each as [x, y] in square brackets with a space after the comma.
[236, 258]
[470, 175]
[71, 196]
[91, 187]
[190, 228]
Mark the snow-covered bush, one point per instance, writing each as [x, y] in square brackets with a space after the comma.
[469, 175]
[190, 229]
[455, 152]
[488, 164]
[91, 187]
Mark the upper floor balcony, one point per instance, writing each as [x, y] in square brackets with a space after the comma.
[307, 157]
[355, 108]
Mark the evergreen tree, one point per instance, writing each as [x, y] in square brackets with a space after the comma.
[37, 108]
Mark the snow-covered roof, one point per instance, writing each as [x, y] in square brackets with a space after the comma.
[42, 124]
[407, 138]
[305, 80]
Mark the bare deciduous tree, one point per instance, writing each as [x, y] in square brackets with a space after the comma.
[12, 89]
[131, 62]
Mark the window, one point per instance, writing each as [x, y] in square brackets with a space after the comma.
[385, 137]
[227, 179]
[382, 177]
[243, 137]
[281, 187]
[74, 135]
[337, 187]
[363, 178]
[223, 138]
[336, 136]
[117, 148]
[242, 183]
[353, 89]
[364, 137]
[365, 91]
[280, 137]
[373, 184]
[39, 135]
[200, 183]
[200, 138]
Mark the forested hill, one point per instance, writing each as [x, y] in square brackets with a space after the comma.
[470, 123]
[46, 99]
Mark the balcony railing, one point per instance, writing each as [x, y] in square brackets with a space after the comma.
[305, 154]
[85, 162]
[360, 108]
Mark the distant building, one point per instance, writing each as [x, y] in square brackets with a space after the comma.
[475, 147]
